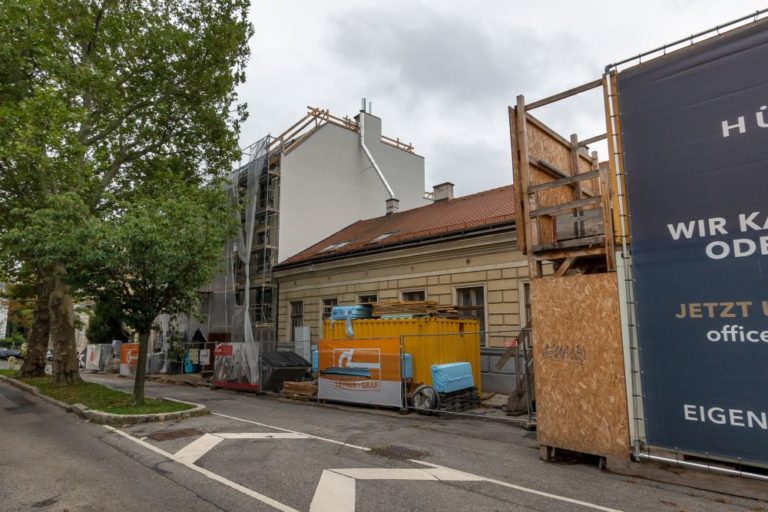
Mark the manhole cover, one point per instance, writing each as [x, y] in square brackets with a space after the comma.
[169, 435]
[397, 452]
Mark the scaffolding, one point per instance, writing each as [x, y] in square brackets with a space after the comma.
[238, 310]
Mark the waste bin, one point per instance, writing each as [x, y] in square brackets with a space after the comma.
[279, 366]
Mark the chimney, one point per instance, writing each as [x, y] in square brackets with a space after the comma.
[393, 205]
[442, 192]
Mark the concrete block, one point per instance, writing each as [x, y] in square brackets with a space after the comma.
[415, 282]
[497, 383]
[502, 284]
[495, 296]
[494, 274]
[469, 277]
[509, 273]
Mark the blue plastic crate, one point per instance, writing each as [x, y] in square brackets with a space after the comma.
[407, 366]
[447, 378]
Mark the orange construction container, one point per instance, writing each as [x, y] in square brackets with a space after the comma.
[429, 341]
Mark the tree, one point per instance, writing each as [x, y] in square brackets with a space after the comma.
[29, 316]
[155, 256]
[100, 99]
[106, 323]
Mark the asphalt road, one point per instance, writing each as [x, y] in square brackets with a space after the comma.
[257, 453]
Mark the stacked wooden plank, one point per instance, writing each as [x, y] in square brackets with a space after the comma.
[304, 390]
[412, 309]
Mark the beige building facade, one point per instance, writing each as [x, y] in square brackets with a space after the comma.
[481, 271]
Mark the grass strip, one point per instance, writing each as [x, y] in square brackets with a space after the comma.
[98, 397]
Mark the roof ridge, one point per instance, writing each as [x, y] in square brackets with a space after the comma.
[437, 203]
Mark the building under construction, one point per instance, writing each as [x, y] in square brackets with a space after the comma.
[293, 190]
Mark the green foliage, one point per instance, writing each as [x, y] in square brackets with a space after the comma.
[15, 340]
[106, 323]
[101, 101]
[157, 253]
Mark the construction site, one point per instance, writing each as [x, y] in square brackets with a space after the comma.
[279, 179]
[608, 323]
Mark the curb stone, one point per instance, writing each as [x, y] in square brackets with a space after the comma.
[106, 418]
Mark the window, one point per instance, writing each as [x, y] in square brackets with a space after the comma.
[333, 247]
[367, 299]
[471, 304]
[381, 237]
[297, 316]
[415, 296]
[328, 306]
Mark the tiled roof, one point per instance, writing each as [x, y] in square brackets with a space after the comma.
[495, 206]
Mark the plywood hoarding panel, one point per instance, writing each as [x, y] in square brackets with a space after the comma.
[580, 388]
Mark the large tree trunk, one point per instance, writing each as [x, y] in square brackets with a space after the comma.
[141, 369]
[37, 344]
[65, 367]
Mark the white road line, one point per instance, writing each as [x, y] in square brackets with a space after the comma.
[529, 490]
[385, 473]
[213, 476]
[454, 475]
[262, 435]
[436, 466]
[334, 493]
[342, 443]
[197, 448]
[409, 474]
[140, 442]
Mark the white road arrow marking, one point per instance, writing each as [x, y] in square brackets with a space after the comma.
[205, 443]
[336, 490]
[334, 493]
[193, 451]
[197, 448]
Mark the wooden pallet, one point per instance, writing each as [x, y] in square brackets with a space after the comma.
[303, 390]
[459, 401]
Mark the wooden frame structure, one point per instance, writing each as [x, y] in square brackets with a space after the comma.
[314, 119]
[568, 214]
[562, 193]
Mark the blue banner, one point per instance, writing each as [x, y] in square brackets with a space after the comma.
[695, 137]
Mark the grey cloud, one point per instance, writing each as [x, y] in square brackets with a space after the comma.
[425, 53]
[473, 165]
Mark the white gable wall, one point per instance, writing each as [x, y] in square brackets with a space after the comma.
[327, 183]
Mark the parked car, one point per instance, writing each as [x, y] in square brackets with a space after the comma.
[5, 353]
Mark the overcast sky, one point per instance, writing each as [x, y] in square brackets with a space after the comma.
[440, 74]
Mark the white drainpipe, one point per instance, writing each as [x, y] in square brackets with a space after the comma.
[370, 156]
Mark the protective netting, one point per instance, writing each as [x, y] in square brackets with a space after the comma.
[229, 301]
